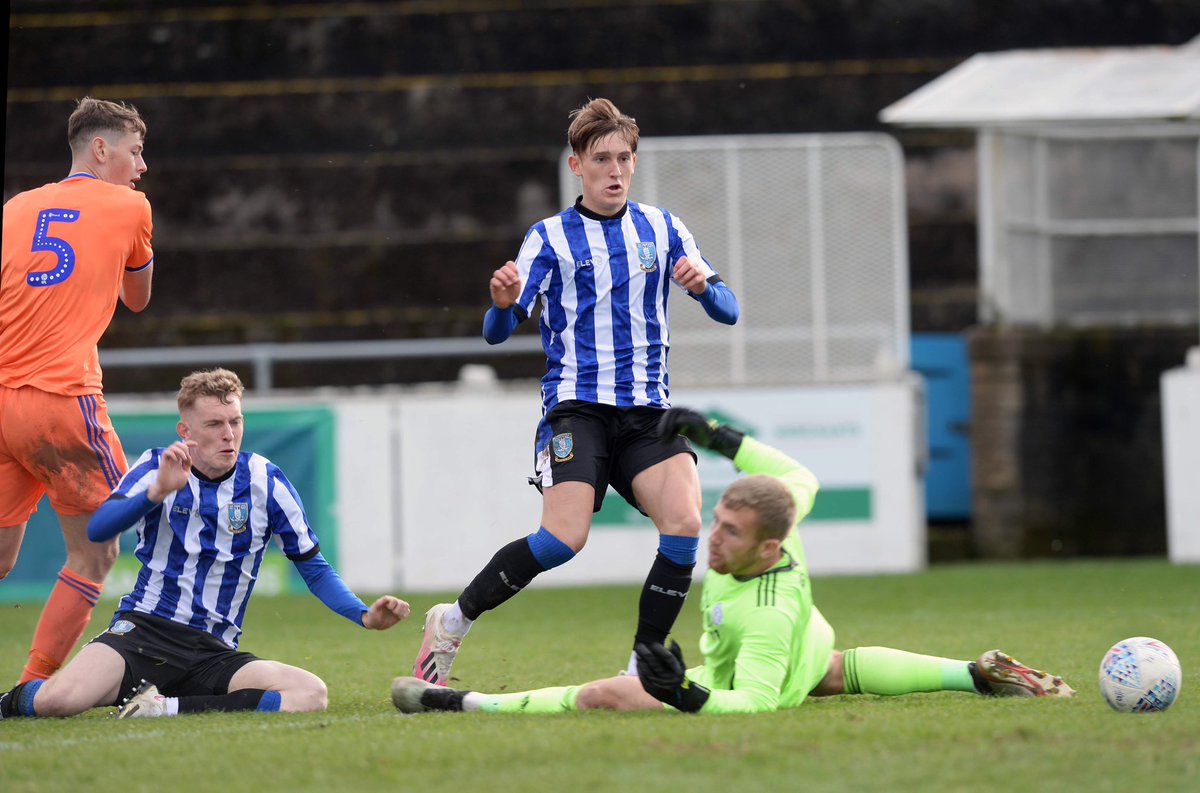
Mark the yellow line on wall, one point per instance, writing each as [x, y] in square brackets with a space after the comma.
[237, 13]
[492, 80]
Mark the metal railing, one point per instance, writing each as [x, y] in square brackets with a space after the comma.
[263, 356]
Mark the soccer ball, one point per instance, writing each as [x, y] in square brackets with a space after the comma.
[1139, 675]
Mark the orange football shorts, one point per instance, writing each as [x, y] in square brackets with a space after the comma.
[61, 445]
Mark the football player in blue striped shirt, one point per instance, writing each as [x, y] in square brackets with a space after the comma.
[599, 273]
[204, 511]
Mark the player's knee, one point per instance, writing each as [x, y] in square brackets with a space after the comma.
[313, 695]
[59, 700]
[682, 524]
[95, 561]
[593, 697]
[831, 684]
[8, 557]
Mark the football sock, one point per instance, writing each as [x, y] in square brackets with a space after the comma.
[548, 549]
[662, 598]
[509, 571]
[242, 699]
[64, 619]
[885, 671]
[558, 699]
[454, 621]
[680, 550]
[19, 701]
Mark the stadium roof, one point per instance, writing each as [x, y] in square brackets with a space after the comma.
[1119, 84]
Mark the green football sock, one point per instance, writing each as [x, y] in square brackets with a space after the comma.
[559, 699]
[882, 670]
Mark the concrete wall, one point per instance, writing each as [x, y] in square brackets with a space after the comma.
[1066, 438]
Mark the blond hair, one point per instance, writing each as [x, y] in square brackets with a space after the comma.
[220, 383]
[94, 117]
[769, 498]
[597, 118]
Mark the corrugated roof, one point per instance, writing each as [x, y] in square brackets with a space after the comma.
[1059, 85]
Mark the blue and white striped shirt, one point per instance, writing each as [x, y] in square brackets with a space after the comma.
[201, 547]
[603, 285]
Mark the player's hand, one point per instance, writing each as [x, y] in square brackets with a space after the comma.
[700, 430]
[664, 677]
[174, 466]
[505, 285]
[689, 276]
[385, 612]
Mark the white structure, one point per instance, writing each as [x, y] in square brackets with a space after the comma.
[1088, 179]
[1181, 449]
[810, 233]
[1089, 207]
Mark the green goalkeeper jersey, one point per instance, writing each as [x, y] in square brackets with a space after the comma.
[754, 628]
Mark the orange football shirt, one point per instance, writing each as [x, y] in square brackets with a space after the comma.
[66, 248]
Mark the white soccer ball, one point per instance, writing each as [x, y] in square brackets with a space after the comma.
[1139, 675]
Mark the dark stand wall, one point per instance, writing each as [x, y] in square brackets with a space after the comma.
[321, 175]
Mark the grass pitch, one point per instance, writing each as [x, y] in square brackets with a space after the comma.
[1058, 616]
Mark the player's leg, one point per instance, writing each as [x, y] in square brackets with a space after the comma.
[571, 471]
[10, 546]
[663, 483]
[413, 695]
[568, 507]
[299, 690]
[19, 489]
[70, 446]
[92, 679]
[265, 686]
[69, 608]
[566, 519]
[616, 693]
[890, 672]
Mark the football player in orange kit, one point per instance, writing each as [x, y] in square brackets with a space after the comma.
[70, 249]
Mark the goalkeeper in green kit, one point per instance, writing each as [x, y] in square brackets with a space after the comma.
[765, 645]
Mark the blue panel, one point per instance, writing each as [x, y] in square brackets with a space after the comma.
[941, 358]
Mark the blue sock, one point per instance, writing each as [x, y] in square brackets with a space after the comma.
[549, 550]
[269, 702]
[25, 701]
[680, 550]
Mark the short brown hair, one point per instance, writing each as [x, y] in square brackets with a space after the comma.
[97, 116]
[769, 498]
[597, 118]
[221, 383]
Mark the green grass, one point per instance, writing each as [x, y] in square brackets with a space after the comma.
[1061, 616]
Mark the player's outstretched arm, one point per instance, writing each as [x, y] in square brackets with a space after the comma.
[700, 430]
[748, 454]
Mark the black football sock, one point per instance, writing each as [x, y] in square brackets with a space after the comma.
[242, 699]
[509, 571]
[662, 598]
[19, 701]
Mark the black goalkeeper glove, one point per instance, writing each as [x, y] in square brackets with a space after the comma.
[664, 677]
[700, 430]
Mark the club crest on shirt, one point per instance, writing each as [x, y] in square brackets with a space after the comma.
[237, 512]
[564, 447]
[121, 627]
[717, 615]
[647, 257]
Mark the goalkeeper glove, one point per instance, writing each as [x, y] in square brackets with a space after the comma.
[704, 432]
[664, 677]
